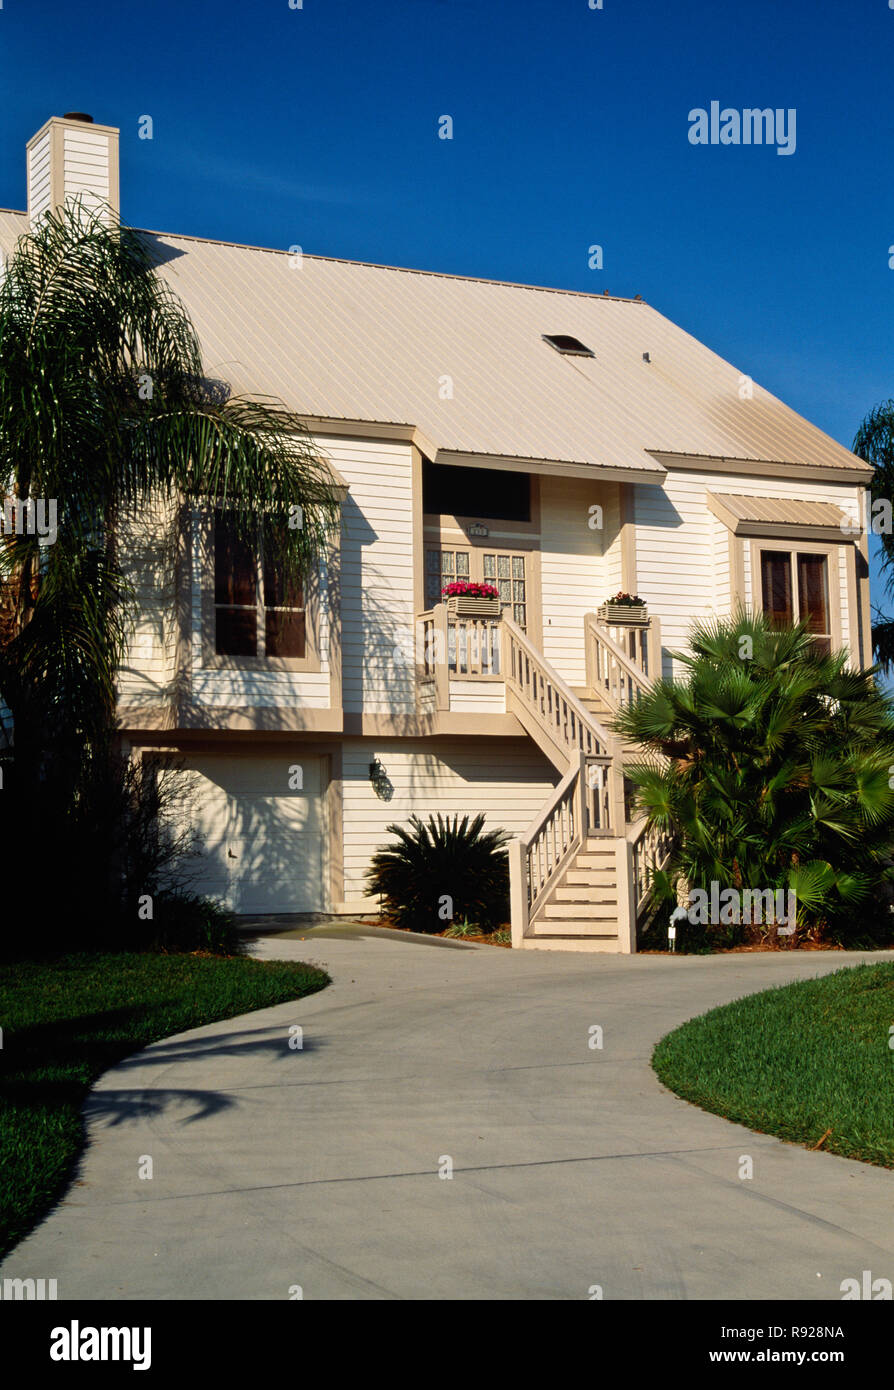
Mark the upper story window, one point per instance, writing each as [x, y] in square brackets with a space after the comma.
[255, 613]
[493, 494]
[795, 588]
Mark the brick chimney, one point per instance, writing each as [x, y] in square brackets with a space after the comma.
[72, 156]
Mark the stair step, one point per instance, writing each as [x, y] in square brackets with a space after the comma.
[595, 861]
[580, 893]
[590, 930]
[591, 945]
[591, 912]
[593, 878]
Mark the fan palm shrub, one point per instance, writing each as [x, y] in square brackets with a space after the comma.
[443, 871]
[772, 765]
[106, 414]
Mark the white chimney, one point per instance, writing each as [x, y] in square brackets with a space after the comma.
[68, 157]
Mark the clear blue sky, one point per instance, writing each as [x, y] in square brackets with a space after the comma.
[318, 126]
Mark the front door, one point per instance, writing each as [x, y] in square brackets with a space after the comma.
[507, 570]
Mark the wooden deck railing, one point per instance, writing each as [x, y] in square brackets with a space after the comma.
[650, 851]
[546, 698]
[610, 671]
[639, 643]
[452, 645]
[539, 855]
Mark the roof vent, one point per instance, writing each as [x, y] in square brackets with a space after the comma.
[78, 116]
[568, 346]
[647, 357]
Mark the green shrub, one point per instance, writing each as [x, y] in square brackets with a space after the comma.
[458, 861]
[183, 921]
[769, 764]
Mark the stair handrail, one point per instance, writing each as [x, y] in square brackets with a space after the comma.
[604, 743]
[547, 847]
[538, 857]
[637, 678]
[650, 850]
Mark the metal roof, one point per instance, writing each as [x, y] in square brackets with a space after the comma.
[465, 361]
[764, 514]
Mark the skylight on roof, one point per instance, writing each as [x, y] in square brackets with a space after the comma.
[568, 346]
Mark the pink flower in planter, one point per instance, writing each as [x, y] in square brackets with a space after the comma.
[465, 588]
[627, 599]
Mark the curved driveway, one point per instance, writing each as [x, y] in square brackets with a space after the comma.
[572, 1166]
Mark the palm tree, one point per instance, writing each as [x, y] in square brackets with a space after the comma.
[106, 411]
[770, 763]
[874, 442]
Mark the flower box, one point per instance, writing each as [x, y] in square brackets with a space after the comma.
[623, 614]
[470, 606]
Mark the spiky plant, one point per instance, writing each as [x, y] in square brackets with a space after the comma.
[441, 872]
[771, 765]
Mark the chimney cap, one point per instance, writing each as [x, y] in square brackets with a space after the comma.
[78, 116]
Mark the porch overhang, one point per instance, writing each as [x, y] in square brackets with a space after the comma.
[649, 472]
[784, 518]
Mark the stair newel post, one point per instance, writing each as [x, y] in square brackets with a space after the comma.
[582, 799]
[590, 653]
[653, 648]
[518, 891]
[441, 657]
[616, 789]
[626, 894]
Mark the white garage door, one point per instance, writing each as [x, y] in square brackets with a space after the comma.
[260, 839]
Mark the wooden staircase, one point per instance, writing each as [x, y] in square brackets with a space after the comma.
[579, 875]
[583, 907]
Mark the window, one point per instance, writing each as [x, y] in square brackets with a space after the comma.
[506, 570]
[508, 573]
[795, 588]
[441, 568]
[494, 494]
[255, 613]
[568, 346]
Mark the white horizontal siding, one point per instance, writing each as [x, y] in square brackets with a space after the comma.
[485, 697]
[376, 574]
[720, 539]
[39, 187]
[674, 555]
[149, 664]
[508, 779]
[575, 575]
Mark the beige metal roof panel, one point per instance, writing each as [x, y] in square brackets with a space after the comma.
[464, 361]
[779, 515]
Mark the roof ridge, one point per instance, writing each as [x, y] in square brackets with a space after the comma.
[378, 265]
[397, 269]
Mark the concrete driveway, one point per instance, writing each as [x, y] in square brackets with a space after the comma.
[277, 1168]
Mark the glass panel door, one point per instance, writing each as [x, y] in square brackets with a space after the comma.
[776, 582]
[813, 599]
[442, 567]
[507, 572]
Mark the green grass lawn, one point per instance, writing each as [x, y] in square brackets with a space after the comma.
[797, 1061]
[65, 1021]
